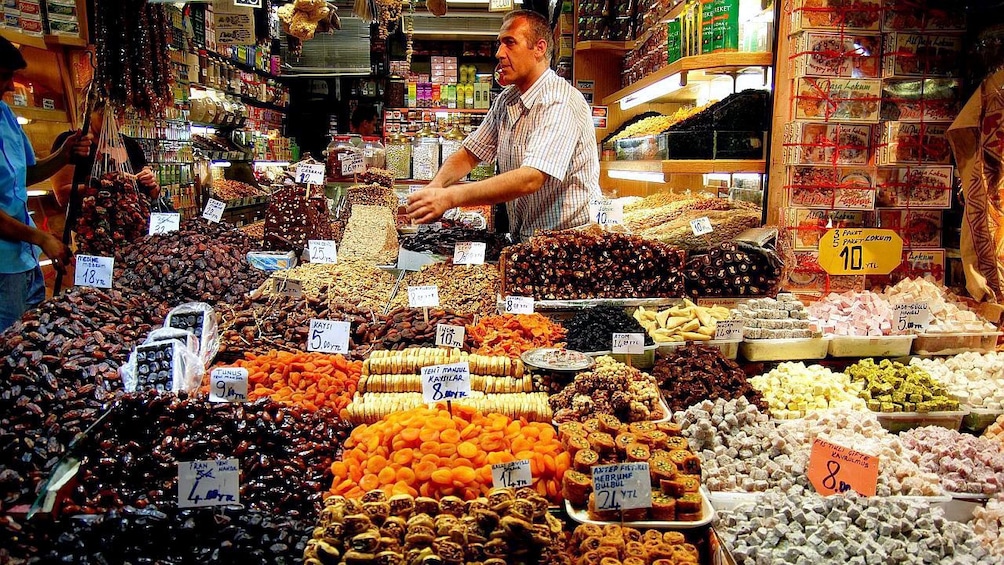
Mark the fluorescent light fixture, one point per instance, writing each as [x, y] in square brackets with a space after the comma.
[223, 164]
[271, 163]
[665, 86]
[45, 262]
[37, 193]
[23, 121]
[644, 176]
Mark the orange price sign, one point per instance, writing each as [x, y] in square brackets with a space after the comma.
[834, 469]
[860, 251]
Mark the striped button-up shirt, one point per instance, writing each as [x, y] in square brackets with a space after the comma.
[548, 128]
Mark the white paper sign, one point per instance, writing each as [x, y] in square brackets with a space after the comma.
[214, 210]
[287, 287]
[606, 212]
[412, 260]
[310, 173]
[423, 296]
[328, 336]
[912, 316]
[469, 253]
[413, 188]
[514, 474]
[352, 163]
[164, 223]
[208, 483]
[93, 271]
[622, 487]
[729, 329]
[248, 3]
[519, 304]
[701, 226]
[322, 251]
[228, 384]
[446, 382]
[450, 336]
[628, 344]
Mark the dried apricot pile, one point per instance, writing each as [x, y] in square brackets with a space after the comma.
[310, 380]
[513, 334]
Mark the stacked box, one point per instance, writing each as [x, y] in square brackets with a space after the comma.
[837, 15]
[831, 188]
[31, 18]
[62, 16]
[914, 187]
[847, 100]
[916, 15]
[809, 143]
[827, 54]
[920, 229]
[920, 100]
[921, 55]
[908, 143]
[808, 226]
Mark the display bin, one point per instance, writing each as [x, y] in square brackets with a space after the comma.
[662, 405]
[979, 419]
[870, 346]
[784, 349]
[960, 505]
[728, 347]
[729, 501]
[649, 147]
[645, 360]
[714, 144]
[896, 422]
[955, 343]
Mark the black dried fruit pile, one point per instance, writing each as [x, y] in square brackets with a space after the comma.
[592, 329]
[693, 373]
[442, 242]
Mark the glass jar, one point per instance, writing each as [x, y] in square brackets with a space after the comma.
[374, 154]
[425, 154]
[337, 168]
[451, 142]
[398, 156]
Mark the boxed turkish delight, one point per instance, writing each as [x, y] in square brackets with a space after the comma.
[824, 54]
[838, 188]
[923, 15]
[920, 100]
[914, 187]
[919, 229]
[838, 99]
[840, 15]
[808, 226]
[921, 55]
[810, 143]
[908, 143]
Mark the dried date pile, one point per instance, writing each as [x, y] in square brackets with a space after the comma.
[443, 241]
[732, 269]
[406, 327]
[592, 329]
[131, 458]
[580, 264]
[693, 373]
[112, 213]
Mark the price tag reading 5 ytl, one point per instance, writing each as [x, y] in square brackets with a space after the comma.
[514, 474]
[622, 487]
[328, 336]
[446, 382]
[912, 316]
[93, 271]
[859, 251]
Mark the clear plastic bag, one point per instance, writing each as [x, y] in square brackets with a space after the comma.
[198, 318]
[163, 365]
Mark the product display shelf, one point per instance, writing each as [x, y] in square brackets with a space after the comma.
[687, 166]
[447, 110]
[599, 45]
[42, 41]
[40, 114]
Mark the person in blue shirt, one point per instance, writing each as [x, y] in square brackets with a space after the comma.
[21, 283]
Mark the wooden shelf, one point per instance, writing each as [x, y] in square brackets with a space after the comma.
[613, 46]
[43, 41]
[698, 68]
[41, 114]
[687, 166]
[447, 110]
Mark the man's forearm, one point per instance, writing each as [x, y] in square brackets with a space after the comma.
[500, 188]
[455, 168]
[13, 230]
[45, 168]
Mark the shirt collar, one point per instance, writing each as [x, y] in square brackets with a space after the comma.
[532, 94]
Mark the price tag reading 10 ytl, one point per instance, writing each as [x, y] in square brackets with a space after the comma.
[622, 487]
[606, 212]
[701, 226]
[860, 251]
[93, 271]
[835, 469]
[450, 336]
[328, 336]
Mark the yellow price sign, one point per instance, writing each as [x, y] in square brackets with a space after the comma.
[860, 251]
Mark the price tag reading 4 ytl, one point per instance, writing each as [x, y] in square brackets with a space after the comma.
[164, 223]
[514, 474]
[606, 212]
[446, 382]
[228, 384]
[423, 296]
[469, 253]
[328, 336]
[450, 336]
[519, 305]
[628, 344]
[622, 487]
[214, 210]
[857, 251]
[94, 271]
[835, 469]
[912, 316]
[208, 483]
[322, 251]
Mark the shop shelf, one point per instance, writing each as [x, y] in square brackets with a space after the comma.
[870, 346]
[688, 166]
[978, 419]
[955, 343]
[784, 349]
[728, 347]
[897, 422]
[40, 114]
[612, 46]
[42, 41]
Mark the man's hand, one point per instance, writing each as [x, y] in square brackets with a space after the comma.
[146, 179]
[429, 204]
[78, 145]
[57, 251]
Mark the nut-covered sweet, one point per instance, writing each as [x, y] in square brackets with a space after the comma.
[693, 373]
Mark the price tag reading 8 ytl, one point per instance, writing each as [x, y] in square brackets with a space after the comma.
[93, 271]
[214, 210]
[836, 469]
[450, 336]
[423, 296]
[518, 304]
[622, 487]
[606, 212]
[328, 336]
[446, 382]
[164, 223]
[469, 253]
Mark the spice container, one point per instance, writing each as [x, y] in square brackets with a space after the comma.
[374, 154]
[451, 142]
[425, 154]
[398, 156]
[336, 169]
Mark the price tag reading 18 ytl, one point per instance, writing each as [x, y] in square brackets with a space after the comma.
[860, 251]
[164, 223]
[912, 316]
[214, 210]
[514, 474]
[93, 271]
[730, 330]
[423, 296]
[622, 487]
[208, 483]
[628, 344]
[701, 226]
[450, 336]
[469, 253]
[519, 305]
[446, 382]
[328, 336]
[322, 251]
[836, 469]
[228, 384]
[606, 212]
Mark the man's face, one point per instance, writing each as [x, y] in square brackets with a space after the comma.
[6, 81]
[517, 57]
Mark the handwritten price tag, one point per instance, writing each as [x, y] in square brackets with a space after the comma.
[352, 163]
[208, 483]
[214, 210]
[287, 287]
[450, 336]
[164, 223]
[622, 487]
[606, 212]
[628, 344]
[446, 382]
[701, 226]
[310, 173]
[423, 296]
[729, 329]
[322, 251]
[514, 474]
[328, 336]
[94, 271]
[912, 316]
[519, 305]
[835, 469]
[469, 253]
[228, 384]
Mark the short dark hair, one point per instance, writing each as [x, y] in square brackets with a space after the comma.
[10, 56]
[363, 113]
[537, 27]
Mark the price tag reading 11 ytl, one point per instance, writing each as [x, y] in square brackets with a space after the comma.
[623, 486]
[835, 469]
[514, 474]
[860, 251]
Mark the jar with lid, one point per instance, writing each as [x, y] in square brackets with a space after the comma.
[398, 155]
[340, 159]
[374, 154]
[425, 154]
[451, 142]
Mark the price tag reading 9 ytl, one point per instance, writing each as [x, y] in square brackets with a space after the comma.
[519, 305]
[606, 212]
[164, 223]
[214, 210]
[446, 382]
[469, 253]
[514, 474]
[310, 173]
[836, 469]
[328, 336]
[628, 344]
[208, 483]
[322, 251]
[423, 296]
[622, 487]
[228, 384]
[701, 226]
[730, 330]
[860, 251]
[93, 271]
[912, 316]
[450, 336]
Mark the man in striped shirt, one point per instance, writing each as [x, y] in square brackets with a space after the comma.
[539, 131]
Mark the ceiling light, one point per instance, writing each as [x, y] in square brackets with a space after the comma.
[223, 164]
[644, 176]
[668, 85]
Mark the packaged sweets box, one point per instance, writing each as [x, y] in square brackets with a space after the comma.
[898, 15]
[914, 187]
[839, 15]
[921, 55]
[846, 100]
[828, 187]
[808, 226]
[827, 54]
[916, 263]
[810, 143]
[908, 143]
[920, 100]
[918, 228]
[807, 277]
